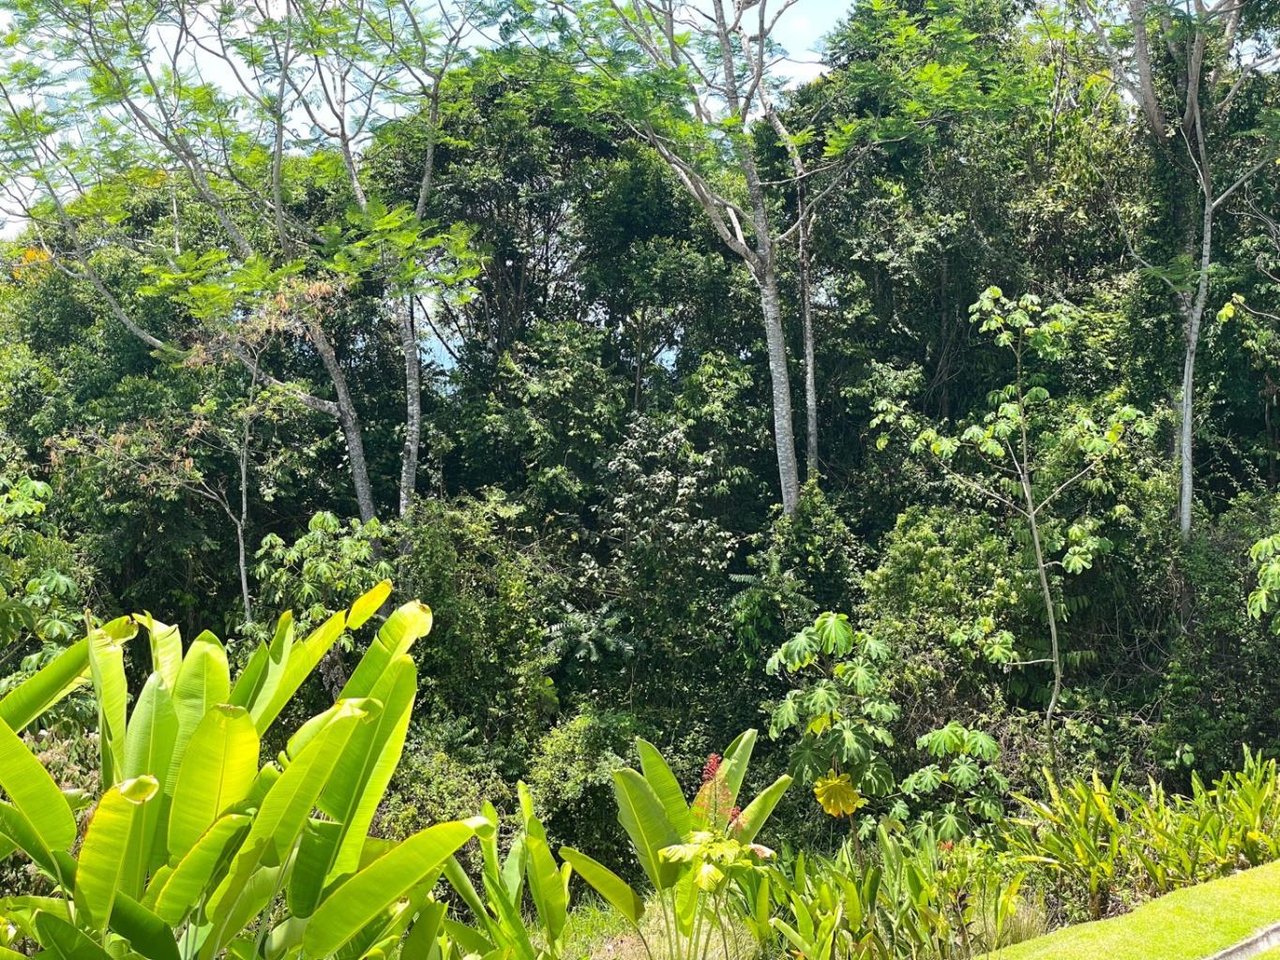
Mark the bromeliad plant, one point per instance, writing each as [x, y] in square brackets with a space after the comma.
[899, 897]
[199, 847]
[701, 857]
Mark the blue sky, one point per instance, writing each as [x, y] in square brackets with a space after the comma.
[802, 28]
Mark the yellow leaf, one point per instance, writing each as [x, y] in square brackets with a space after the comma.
[837, 795]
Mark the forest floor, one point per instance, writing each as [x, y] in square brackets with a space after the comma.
[1189, 924]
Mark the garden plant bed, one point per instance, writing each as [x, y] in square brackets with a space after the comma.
[1191, 924]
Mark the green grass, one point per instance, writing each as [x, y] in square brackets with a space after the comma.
[592, 928]
[1185, 925]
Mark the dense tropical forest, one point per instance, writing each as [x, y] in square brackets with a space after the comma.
[915, 403]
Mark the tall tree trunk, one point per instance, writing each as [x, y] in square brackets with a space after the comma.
[763, 266]
[413, 406]
[243, 520]
[243, 560]
[810, 361]
[780, 383]
[1193, 315]
[349, 420]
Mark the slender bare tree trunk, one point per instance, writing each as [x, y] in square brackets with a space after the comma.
[349, 420]
[810, 360]
[780, 382]
[413, 406]
[1193, 314]
[244, 573]
[243, 520]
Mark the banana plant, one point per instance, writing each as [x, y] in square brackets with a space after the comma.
[699, 856]
[500, 927]
[200, 847]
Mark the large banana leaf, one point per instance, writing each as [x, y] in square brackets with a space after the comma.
[103, 859]
[148, 749]
[67, 671]
[368, 604]
[665, 785]
[421, 943]
[106, 666]
[153, 727]
[261, 676]
[302, 659]
[737, 757]
[275, 673]
[218, 769]
[62, 940]
[368, 893]
[36, 799]
[175, 894]
[50, 684]
[278, 824]
[21, 835]
[364, 771]
[758, 810]
[641, 815]
[147, 934]
[615, 891]
[317, 850]
[166, 648]
[204, 681]
[405, 625]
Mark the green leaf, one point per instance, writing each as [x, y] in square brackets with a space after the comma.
[641, 815]
[148, 750]
[421, 944]
[546, 886]
[615, 891]
[753, 818]
[664, 783]
[61, 676]
[106, 666]
[737, 756]
[64, 941]
[317, 849]
[166, 648]
[381, 884]
[406, 625]
[219, 767]
[35, 796]
[147, 934]
[276, 827]
[368, 604]
[181, 890]
[103, 855]
[204, 681]
[303, 658]
[365, 769]
[262, 701]
[152, 730]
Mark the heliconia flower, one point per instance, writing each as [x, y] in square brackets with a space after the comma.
[711, 767]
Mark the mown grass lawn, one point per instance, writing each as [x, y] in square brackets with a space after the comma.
[1186, 925]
